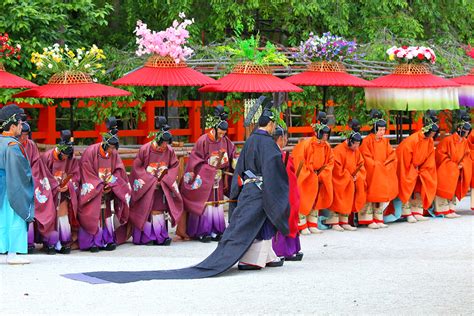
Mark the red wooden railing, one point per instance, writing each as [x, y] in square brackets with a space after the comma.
[47, 132]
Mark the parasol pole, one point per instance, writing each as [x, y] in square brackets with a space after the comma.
[166, 103]
[71, 116]
[325, 92]
[397, 136]
[288, 113]
[203, 113]
[400, 126]
[409, 122]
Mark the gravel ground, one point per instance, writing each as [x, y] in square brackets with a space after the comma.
[422, 268]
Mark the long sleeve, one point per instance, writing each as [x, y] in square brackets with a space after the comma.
[20, 183]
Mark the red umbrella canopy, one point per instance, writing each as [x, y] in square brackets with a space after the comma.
[412, 87]
[251, 78]
[10, 81]
[164, 71]
[327, 74]
[466, 91]
[72, 85]
[409, 76]
[467, 80]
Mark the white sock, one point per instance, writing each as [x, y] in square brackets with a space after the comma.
[11, 255]
[58, 246]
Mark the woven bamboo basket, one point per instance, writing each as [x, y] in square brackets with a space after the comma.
[327, 66]
[412, 69]
[157, 61]
[70, 77]
[251, 69]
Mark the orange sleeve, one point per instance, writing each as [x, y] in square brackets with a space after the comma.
[325, 188]
[466, 174]
[360, 186]
[407, 173]
[447, 168]
[369, 161]
[429, 179]
[391, 160]
[307, 180]
[343, 185]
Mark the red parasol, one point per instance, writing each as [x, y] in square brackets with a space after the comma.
[327, 74]
[247, 77]
[466, 91]
[10, 81]
[180, 75]
[467, 80]
[412, 87]
[71, 85]
[164, 71]
[403, 81]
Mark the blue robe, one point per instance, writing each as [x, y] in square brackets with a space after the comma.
[16, 196]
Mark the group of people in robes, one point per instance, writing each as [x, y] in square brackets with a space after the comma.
[259, 203]
[357, 182]
[77, 202]
[92, 203]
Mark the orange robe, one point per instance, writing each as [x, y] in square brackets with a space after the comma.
[452, 180]
[349, 196]
[470, 141]
[316, 190]
[380, 161]
[417, 168]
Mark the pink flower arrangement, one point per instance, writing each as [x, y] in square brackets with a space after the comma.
[411, 54]
[170, 42]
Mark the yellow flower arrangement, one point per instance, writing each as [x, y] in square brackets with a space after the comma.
[57, 59]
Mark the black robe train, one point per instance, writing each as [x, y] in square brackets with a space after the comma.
[254, 207]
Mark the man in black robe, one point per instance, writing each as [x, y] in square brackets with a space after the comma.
[260, 186]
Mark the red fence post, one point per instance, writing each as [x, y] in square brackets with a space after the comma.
[148, 124]
[99, 129]
[47, 123]
[194, 120]
[240, 129]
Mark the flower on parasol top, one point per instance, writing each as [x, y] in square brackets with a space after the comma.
[328, 47]
[7, 50]
[59, 59]
[170, 42]
[248, 50]
[411, 54]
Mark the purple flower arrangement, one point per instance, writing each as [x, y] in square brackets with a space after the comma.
[328, 47]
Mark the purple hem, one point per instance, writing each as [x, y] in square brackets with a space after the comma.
[211, 221]
[285, 246]
[84, 278]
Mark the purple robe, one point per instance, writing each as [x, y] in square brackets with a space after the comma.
[45, 184]
[146, 196]
[90, 199]
[198, 180]
[61, 169]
